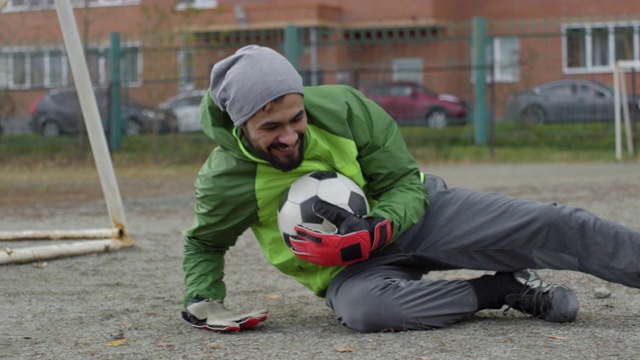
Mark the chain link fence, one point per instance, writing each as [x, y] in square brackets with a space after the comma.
[439, 58]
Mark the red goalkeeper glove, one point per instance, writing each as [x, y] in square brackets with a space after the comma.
[355, 239]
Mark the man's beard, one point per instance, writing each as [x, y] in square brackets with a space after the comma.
[288, 163]
[285, 165]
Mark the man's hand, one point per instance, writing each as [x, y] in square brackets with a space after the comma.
[211, 315]
[355, 239]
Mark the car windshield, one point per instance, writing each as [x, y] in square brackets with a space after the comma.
[425, 90]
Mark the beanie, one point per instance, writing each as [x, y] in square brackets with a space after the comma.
[246, 81]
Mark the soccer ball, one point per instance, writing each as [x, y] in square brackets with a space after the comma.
[296, 203]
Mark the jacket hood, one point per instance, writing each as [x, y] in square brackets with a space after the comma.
[217, 124]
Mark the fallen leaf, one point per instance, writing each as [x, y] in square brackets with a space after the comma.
[214, 346]
[344, 349]
[561, 338]
[117, 342]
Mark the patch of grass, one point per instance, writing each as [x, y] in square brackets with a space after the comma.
[582, 142]
[511, 143]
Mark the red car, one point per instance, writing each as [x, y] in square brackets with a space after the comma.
[410, 103]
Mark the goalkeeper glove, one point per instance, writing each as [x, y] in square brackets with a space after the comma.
[355, 239]
[211, 314]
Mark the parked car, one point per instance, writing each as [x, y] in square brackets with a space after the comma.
[58, 112]
[570, 100]
[410, 103]
[186, 107]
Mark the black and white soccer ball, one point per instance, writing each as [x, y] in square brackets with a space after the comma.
[296, 203]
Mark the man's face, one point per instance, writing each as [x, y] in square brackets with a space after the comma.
[277, 133]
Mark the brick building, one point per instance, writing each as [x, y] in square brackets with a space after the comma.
[170, 45]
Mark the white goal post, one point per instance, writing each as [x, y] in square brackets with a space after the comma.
[621, 105]
[93, 240]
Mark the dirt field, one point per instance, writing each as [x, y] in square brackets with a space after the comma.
[126, 304]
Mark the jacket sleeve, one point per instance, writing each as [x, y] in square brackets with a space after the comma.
[392, 174]
[217, 225]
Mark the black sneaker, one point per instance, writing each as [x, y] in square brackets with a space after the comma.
[550, 302]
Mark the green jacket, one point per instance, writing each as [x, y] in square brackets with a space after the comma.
[236, 190]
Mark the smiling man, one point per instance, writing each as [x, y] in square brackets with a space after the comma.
[276, 132]
[270, 131]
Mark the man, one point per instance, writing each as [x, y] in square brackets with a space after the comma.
[270, 131]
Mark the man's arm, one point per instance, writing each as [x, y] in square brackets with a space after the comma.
[216, 228]
[393, 176]
[393, 181]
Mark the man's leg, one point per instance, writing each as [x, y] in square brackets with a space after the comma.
[379, 296]
[470, 229]
[483, 231]
[390, 297]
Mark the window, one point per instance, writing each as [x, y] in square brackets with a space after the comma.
[35, 5]
[49, 68]
[407, 69]
[623, 42]
[506, 59]
[131, 65]
[102, 3]
[19, 69]
[600, 46]
[21, 5]
[576, 48]
[37, 68]
[33, 68]
[196, 4]
[503, 54]
[185, 68]
[57, 68]
[593, 48]
[93, 64]
[4, 70]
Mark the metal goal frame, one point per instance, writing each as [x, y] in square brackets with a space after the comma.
[93, 240]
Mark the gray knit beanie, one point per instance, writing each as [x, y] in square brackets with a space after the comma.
[246, 81]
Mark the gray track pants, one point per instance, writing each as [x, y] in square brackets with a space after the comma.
[468, 229]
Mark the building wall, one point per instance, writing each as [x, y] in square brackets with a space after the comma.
[160, 28]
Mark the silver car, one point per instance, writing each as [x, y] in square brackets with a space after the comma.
[186, 107]
[571, 100]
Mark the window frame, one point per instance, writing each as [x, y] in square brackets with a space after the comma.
[493, 56]
[409, 69]
[500, 72]
[182, 5]
[35, 5]
[99, 78]
[588, 57]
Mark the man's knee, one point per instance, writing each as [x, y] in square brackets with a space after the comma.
[366, 313]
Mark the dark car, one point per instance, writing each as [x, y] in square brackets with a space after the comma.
[410, 103]
[571, 100]
[58, 112]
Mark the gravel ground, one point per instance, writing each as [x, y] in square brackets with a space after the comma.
[126, 304]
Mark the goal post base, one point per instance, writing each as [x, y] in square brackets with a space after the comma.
[93, 241]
